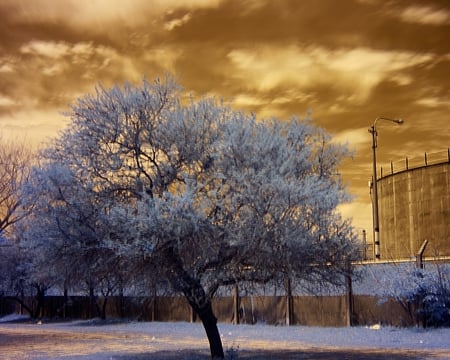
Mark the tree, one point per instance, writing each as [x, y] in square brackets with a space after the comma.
[20, 278]
[423, 293]
[66, 229]
[15, 164]
[209, 195]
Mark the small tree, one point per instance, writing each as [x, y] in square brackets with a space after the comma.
[20, 280]
[15, 164]
[67, 230]
[423, 293]
[210, 196]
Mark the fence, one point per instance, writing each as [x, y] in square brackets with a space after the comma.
[306, 310]
[416, 162]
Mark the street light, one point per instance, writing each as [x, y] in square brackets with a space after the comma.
[376, 223]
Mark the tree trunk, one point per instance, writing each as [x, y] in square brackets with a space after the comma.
[121, 303]
[209, 322]
[236, 305]
[66, 298]
[40, 297]
[195, 294]
[289, 302]
[92, 303]
[103, 309]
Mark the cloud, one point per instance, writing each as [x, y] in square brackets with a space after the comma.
[6, 101]
[61, 71]
[247, 100]
[355, 71]
[423, 14]
[287, 96]
[433, 102]
[354, 137]
[6, 66]
[54, 57]
[35, 125]
[402, 79]
[172, 24]
[164, 56]
[48, 49]
[95, 12]
[57, 50]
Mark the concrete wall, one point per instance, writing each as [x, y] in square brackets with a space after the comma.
[414, 205]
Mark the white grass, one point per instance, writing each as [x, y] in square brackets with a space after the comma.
[94, 340]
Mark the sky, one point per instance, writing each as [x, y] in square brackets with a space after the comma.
[346, 62]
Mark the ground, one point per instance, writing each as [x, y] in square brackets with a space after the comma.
[83, 340]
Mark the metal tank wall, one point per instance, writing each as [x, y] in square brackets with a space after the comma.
[414, 205]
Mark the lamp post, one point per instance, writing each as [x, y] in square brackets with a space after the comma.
[376, 223]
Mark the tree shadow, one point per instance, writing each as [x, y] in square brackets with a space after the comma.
[307, 354]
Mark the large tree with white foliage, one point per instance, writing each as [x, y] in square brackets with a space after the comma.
[209, 195]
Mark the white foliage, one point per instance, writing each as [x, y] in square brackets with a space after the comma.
[203, 192]
[426, 291]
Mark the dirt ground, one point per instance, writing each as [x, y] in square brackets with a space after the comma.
[22, 342]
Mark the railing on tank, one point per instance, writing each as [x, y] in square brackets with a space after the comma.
[405, 164]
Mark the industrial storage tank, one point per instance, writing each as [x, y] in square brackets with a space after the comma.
[414, 206]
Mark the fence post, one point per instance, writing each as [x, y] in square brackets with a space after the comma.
[364, 239]
[289, 301]
[349, 295]
[419, 302]
[236, 305]
[121, 303]
[419, 255]
[154, 304]
[65, 300]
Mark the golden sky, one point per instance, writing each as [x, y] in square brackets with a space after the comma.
[347, 61]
